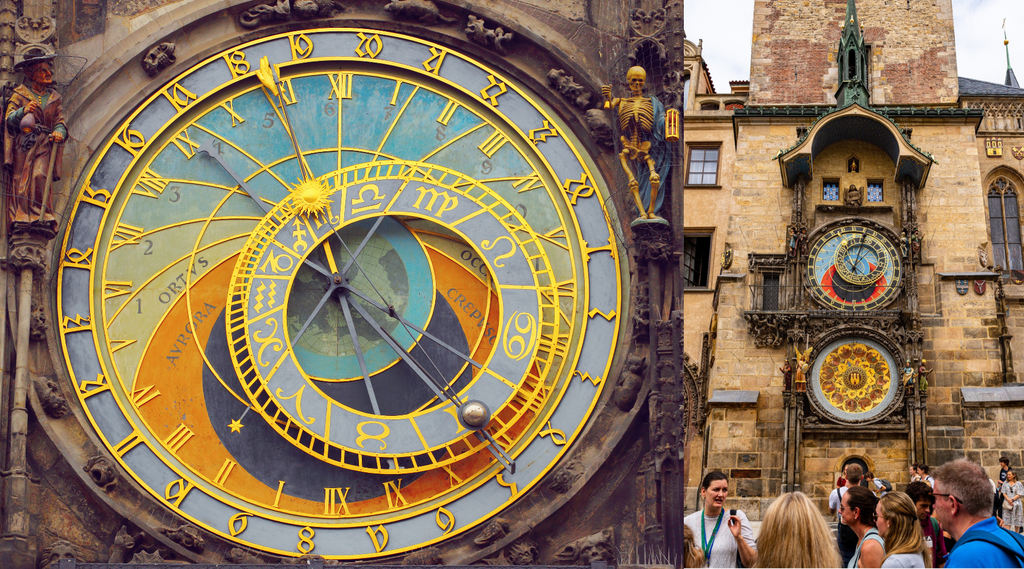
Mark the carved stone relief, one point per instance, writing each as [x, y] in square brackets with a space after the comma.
[577, 94]
[51, 398]
[123, 543]
[494, 38]
[563, 479]
[102, 472]
[600, 127]
[53, 553]
[630, 382]
[158, 58]
[496, 529]
[425, 11]
[522, 552]
[428, 556]
[283, 10]
[187, 536]
[35, 30]
[584, 551]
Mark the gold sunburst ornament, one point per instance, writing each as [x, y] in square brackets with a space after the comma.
[310, 197]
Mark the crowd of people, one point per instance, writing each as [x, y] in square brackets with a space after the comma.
[953, 517]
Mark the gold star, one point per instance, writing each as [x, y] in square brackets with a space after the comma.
[236, 426]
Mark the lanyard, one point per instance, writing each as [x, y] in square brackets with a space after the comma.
[703, 536]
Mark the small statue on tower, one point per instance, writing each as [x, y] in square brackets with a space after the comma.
[787, 376]
[646, 129]
[33, 149]
[803, 368]
[908, 376]
[922, 376]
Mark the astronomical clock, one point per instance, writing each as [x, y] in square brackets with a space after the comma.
[855, 268]
[347, 292]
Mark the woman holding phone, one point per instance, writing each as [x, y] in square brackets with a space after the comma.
[725, 536]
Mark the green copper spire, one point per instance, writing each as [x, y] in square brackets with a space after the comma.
[853, 62]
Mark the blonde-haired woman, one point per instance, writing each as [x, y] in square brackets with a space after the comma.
[794, 534]
[896, 518]
[693, 556]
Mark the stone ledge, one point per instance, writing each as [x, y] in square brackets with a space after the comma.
[1008, 396]
[733, 398]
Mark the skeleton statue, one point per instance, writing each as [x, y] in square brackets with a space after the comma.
[642, 122]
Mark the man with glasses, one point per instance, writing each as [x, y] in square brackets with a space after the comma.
[963, 507]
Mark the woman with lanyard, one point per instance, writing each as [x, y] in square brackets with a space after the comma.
[721, 548]
[858, 512]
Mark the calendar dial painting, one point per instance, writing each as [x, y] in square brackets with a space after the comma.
[854, 379]
[339, 292]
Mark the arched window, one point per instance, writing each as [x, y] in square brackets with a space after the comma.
[686, 89]
[1004, 224]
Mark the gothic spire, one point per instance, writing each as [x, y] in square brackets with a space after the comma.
[853, 61]
[1011, 79]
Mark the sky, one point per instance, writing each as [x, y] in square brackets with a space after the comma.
[726, 27]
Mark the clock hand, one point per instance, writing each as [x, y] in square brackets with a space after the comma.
[269, 78]
[480, 430]
[359, 249]
[261, 201]
[316, 311]
[426, 334]
[359, 353]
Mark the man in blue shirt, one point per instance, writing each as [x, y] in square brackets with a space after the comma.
[962, 505]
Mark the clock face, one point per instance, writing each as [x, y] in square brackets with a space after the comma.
[854, 268]
[854, 379]
[284, 302]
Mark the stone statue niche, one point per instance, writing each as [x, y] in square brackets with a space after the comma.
[645, 150]
[854, 196]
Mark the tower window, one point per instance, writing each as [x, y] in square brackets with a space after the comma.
[830, 190]
[1004, 224]
[875, 191]
[696, 260]
[703, 167]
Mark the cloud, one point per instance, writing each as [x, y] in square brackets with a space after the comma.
[726, 28]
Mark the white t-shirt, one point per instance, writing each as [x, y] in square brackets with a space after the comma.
[835, 499]
[724, 549]
[907, 560]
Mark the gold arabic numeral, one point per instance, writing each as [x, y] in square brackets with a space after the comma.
[98, 197]
[500, 478]
[179, 96]
[225, 470]
[280, 490]
[363, 435]
[178, 438]
[557, 435]
[148, 183]
[299, 234]
[229, 106]
[445, 520]
[177, 490]
[527, 183]
[100, 384]
[454, 412]
[448, 203]
[297, 395]
[447, 112]
[577, 189]
[541, 134]
[288, 92]
[76, 324]
[395, 487]
[372, 188]
[128, 443]
[237, 523]
[113, 289]
[144, 395]
[125, 234]
[517, 346]
[487, 245]
[493, 143]
[185, 144]
[334, 501]
[369, 46]
[485, 93]
[302, 46]
[77, 259]
[130, 140]
[277, 263]
[341, 86]
[306, 536]
[433, 64]
[379, 543]
[237, 63]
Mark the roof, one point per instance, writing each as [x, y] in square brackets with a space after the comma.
[975, 88]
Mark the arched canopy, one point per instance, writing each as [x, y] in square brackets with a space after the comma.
[855, 123]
